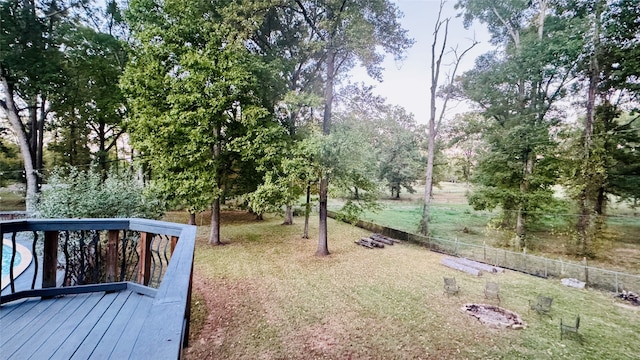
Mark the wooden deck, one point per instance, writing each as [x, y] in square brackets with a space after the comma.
[95, 325]
[113, 320]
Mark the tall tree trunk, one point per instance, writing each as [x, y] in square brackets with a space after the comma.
[9, 107]
[423, 228]
[434, 120]
[323, 247]
[192, 218]
[428, 186]
[214, 236]
[588, 198]
[40, 146]
[521, 221]
[307, 212]
[288, 215]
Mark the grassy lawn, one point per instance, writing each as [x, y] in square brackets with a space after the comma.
[11, 200]
[265, 296]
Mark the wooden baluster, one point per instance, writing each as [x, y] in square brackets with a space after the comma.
[112, 255]
[144, 266]
[50, 259]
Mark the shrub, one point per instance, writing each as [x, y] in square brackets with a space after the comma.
[73, 193]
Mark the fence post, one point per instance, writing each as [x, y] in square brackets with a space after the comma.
[455, 248]
[546, 274]
[617, 289]
[484, 250]
[524, 260]
[586, 271]
[50, 259]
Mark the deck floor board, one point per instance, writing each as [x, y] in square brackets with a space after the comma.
[117, 328]
[25, 326]
[98, 330]
[82, 328]
[7, 313]
[66, 328]
[123, 349]
[40, 336]
[94, 325]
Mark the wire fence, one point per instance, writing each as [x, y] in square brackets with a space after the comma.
[540, 266]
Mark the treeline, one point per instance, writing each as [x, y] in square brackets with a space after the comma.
[557, 104]
[235, 99]
[216, 99]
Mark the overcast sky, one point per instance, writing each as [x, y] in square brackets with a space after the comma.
[407, 83]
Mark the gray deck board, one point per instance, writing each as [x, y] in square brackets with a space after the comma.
[8, 314]
[66, 328]
[124, 347]
[23, 327]
[84, 326]
[117, 329]
[96, 333]
[40, 336]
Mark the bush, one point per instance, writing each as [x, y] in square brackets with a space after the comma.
[73, 193]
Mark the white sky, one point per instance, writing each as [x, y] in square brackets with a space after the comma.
[407, 83]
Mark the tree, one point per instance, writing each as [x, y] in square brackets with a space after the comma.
[463, 138]
[603, 157]
[285, 40]
[435, 120]
[517, 87]
[89, 107]
[400, 161]
[349, 31]
[193, 88]
[387, 131]
[29, 73]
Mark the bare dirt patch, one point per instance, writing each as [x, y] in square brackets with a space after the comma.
[494, 316]
[221, 298]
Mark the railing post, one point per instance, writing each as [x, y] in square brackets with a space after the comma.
[187, 315]
[112, 255]
[50, 259]
[174, 242]
[144, 266]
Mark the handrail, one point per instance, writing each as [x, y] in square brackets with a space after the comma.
[167, 325]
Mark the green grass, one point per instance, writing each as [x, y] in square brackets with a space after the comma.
[269, 297]
[11, 200]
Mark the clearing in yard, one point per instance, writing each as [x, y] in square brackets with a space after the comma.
[264, 295]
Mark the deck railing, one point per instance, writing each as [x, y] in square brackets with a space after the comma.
[73, 255]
